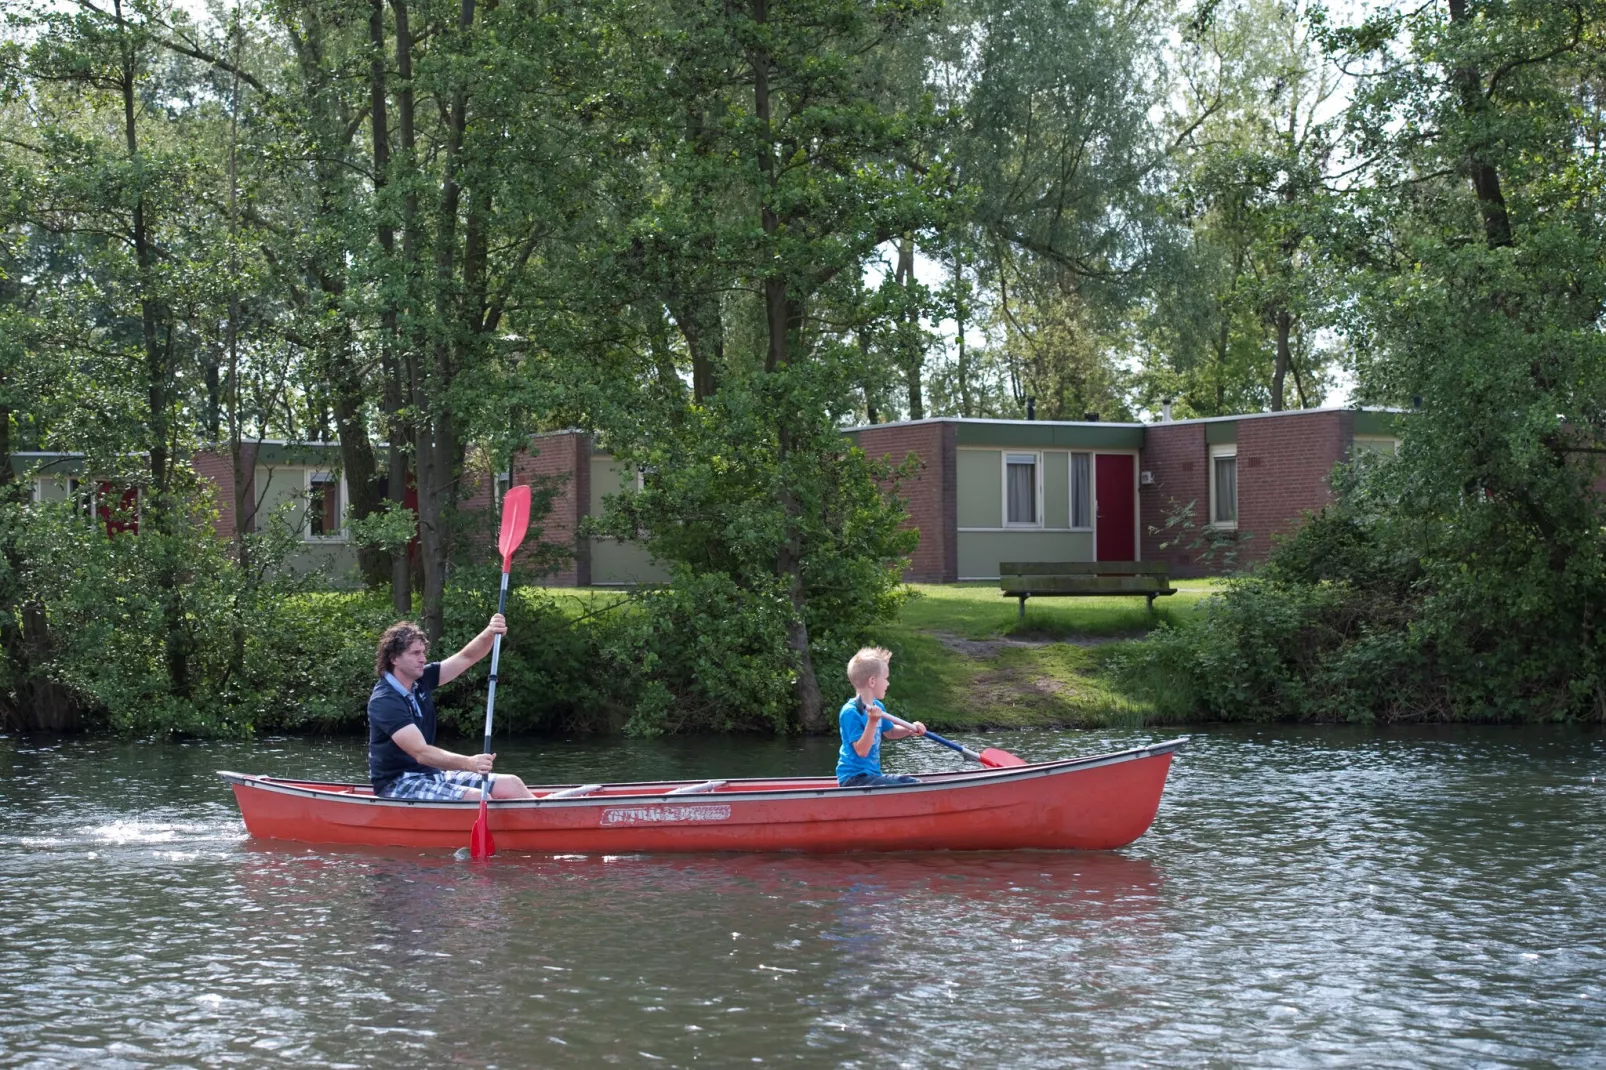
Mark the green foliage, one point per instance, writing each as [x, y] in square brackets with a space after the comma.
[713, 504]
[389, 529]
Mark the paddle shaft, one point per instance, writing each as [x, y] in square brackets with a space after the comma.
[935, 738]
[496, 658]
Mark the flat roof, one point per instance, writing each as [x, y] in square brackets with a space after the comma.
[999, 420]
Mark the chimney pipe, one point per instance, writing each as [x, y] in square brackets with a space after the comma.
[1091, 417]
[1165, 411]
[1031, 408]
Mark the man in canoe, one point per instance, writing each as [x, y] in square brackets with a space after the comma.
[403, 761]
[863, 723]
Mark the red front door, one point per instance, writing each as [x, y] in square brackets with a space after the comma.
[1115, 507]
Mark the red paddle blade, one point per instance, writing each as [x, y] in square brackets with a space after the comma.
[480, 843]
[515, 522]
[994, 758]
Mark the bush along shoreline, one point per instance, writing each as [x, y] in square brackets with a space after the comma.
[1366, 616]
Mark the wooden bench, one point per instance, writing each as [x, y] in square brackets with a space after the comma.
[1073, 579]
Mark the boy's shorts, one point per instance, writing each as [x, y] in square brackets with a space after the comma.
[435, 787]
[876, 780]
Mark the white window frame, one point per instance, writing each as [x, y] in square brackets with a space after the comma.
[322, 475]
[1226, 449]
[1037, 490]
[1070, 487]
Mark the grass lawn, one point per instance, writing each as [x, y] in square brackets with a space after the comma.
[964, 659]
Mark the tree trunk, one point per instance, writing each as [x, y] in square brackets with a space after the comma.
[1468, 84]
[157, 345]
[401, 594]
[410, 347]
[39, 704]
[912, 353]
[783, 316]
[437, 452]
[1283, 321]
[962, 370]
[342, 372]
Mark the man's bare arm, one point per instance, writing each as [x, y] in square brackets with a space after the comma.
[475, 649]
[411, 740]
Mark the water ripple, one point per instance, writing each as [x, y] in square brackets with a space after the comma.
[1307, 897]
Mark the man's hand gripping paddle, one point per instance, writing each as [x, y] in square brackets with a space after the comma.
[515, 521]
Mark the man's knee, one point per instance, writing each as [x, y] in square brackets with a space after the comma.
[507, 786]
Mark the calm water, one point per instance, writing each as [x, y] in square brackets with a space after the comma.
[1306, 898]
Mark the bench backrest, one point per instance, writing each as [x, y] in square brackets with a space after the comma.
[1082, 568]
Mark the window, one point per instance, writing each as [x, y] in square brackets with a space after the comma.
[1224, 486]
[1376, 445]
[1021, 490]
[323, 506]
[1081, 490]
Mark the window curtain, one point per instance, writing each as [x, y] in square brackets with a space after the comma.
[1081, 490]
[1022, 484]
[1226, 490]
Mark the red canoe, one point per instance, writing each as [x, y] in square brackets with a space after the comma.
[1092, 804]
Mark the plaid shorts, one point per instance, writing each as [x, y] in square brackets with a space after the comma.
[434, 787]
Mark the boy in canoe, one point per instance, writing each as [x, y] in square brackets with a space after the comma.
[863, 721]
[403, 761]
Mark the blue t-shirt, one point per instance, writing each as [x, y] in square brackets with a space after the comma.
[389, 711]
[848, 762]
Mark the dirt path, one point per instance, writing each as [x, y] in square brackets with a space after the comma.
[991, 648]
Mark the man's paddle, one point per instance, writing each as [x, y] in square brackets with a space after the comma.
[992, 757]
[515, 521]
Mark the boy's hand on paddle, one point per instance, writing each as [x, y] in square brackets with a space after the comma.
[481, 763]
[498, 625]
[918, 728]
[873, 713]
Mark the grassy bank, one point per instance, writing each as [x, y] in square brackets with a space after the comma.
[964, 659]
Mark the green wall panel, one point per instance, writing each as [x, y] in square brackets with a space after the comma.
[613, 561]
[1221, 432]
[981, 551]
[607, 477]
[1379, 423]
[1057, 490]
[979, 475]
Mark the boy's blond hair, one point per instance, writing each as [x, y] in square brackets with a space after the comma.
[867, 664]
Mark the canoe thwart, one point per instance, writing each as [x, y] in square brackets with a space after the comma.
[696, 789]
[571, 793]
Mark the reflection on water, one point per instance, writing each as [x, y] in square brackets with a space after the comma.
[1307, 897]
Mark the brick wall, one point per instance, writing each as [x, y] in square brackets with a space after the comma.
[216, 466]
[1283, 468]
[1176, 456]
[932, 494]
[567, 455]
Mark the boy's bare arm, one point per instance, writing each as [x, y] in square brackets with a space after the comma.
[872, 725]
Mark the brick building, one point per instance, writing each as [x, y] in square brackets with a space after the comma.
[983, 491]
[989, 491]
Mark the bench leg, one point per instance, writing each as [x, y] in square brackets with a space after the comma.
[1022, 614]
[1151, 604]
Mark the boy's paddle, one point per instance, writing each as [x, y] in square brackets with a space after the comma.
[515, 521]
[992, 757]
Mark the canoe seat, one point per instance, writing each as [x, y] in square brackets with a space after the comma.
[569, 793]
[696, 789]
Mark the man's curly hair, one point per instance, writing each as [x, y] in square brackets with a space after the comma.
[396, 641]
